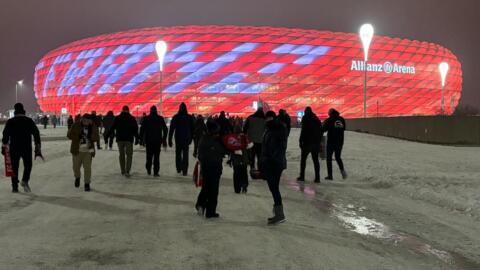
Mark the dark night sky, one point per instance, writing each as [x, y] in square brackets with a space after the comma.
[30, 28]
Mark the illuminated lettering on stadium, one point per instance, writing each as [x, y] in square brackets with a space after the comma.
[386, 67]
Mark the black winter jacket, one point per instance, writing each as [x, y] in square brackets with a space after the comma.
[335, 126]
[125, 127]
[274, 145]
[311, 133]
[211, 151]
[182, 125]
[18, 133]
[154, 131]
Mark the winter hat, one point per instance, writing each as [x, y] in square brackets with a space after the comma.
[212, 127]
[270, 114]
[125, 109]
[19, 109]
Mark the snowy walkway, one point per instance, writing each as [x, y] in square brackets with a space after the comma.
[405, 206]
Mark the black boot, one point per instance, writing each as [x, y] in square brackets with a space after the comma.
[14, 186]
[279, 216]
[26, 187]
[87, 188]
[77, 182]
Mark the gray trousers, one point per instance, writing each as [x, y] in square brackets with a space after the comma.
[126, 152]
[83, 159]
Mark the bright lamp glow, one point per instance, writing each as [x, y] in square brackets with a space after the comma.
[20, 82]
[443, 67]
[161, 49]
[366, 35]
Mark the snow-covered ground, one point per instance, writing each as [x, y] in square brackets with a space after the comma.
[405, 206]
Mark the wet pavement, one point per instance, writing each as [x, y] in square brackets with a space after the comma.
[352, 218]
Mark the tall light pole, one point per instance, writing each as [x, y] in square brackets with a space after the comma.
[366, 35]
[161, 49]
[443, 68]
[18, 84]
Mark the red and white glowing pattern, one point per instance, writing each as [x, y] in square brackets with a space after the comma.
[215, 68]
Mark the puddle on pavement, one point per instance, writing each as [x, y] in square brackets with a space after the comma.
[351, 218]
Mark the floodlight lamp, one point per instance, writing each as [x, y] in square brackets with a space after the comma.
[161, 49]
[443, 67]
[366, 35]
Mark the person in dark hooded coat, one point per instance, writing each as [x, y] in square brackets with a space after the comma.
[107, 125]
[335, 126]
[225, 125]
[211, 152]
[273, 162]
[154, 132]
[199, 131]
[182, 126]
[18, 134]
[310, 139]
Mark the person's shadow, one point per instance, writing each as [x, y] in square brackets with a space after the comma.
[82, 204]
[145, 198]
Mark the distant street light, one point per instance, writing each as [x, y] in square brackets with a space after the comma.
[19, 83]
[161, 49]
[443, 68]
[366, 35]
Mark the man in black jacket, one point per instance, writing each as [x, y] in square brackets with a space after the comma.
[335, 126]
[210, 154]
[224, 123]
[273, 161]
[285, 119]
[182, 125]
[126, 130]
[18, 134]
[97, 120]
[154, 133]
[107, 123]
[199, 130]
[310, 139]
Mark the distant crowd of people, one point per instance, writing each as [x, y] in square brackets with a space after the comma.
[264, 149]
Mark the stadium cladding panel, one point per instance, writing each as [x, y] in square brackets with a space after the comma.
[215, 68]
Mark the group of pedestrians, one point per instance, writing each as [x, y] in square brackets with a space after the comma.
[312, 142]
[267, 133]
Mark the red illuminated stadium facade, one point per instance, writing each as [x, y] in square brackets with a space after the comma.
[215, 68]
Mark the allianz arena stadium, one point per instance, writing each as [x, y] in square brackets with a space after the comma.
[232, 68]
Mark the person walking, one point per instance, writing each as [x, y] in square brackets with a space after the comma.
[225, 125]
[154, 132]
[17, 134]
[310, 143]
[335, 126]
[285, 119]
[273, 161]
[70, 122]
[107, 126]
[254, 127]
[54, 121]
[210, 154]
[45, 121]
[83, 135]
[199, 130]
[97, 120]
[182, 125]
[126, 131]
